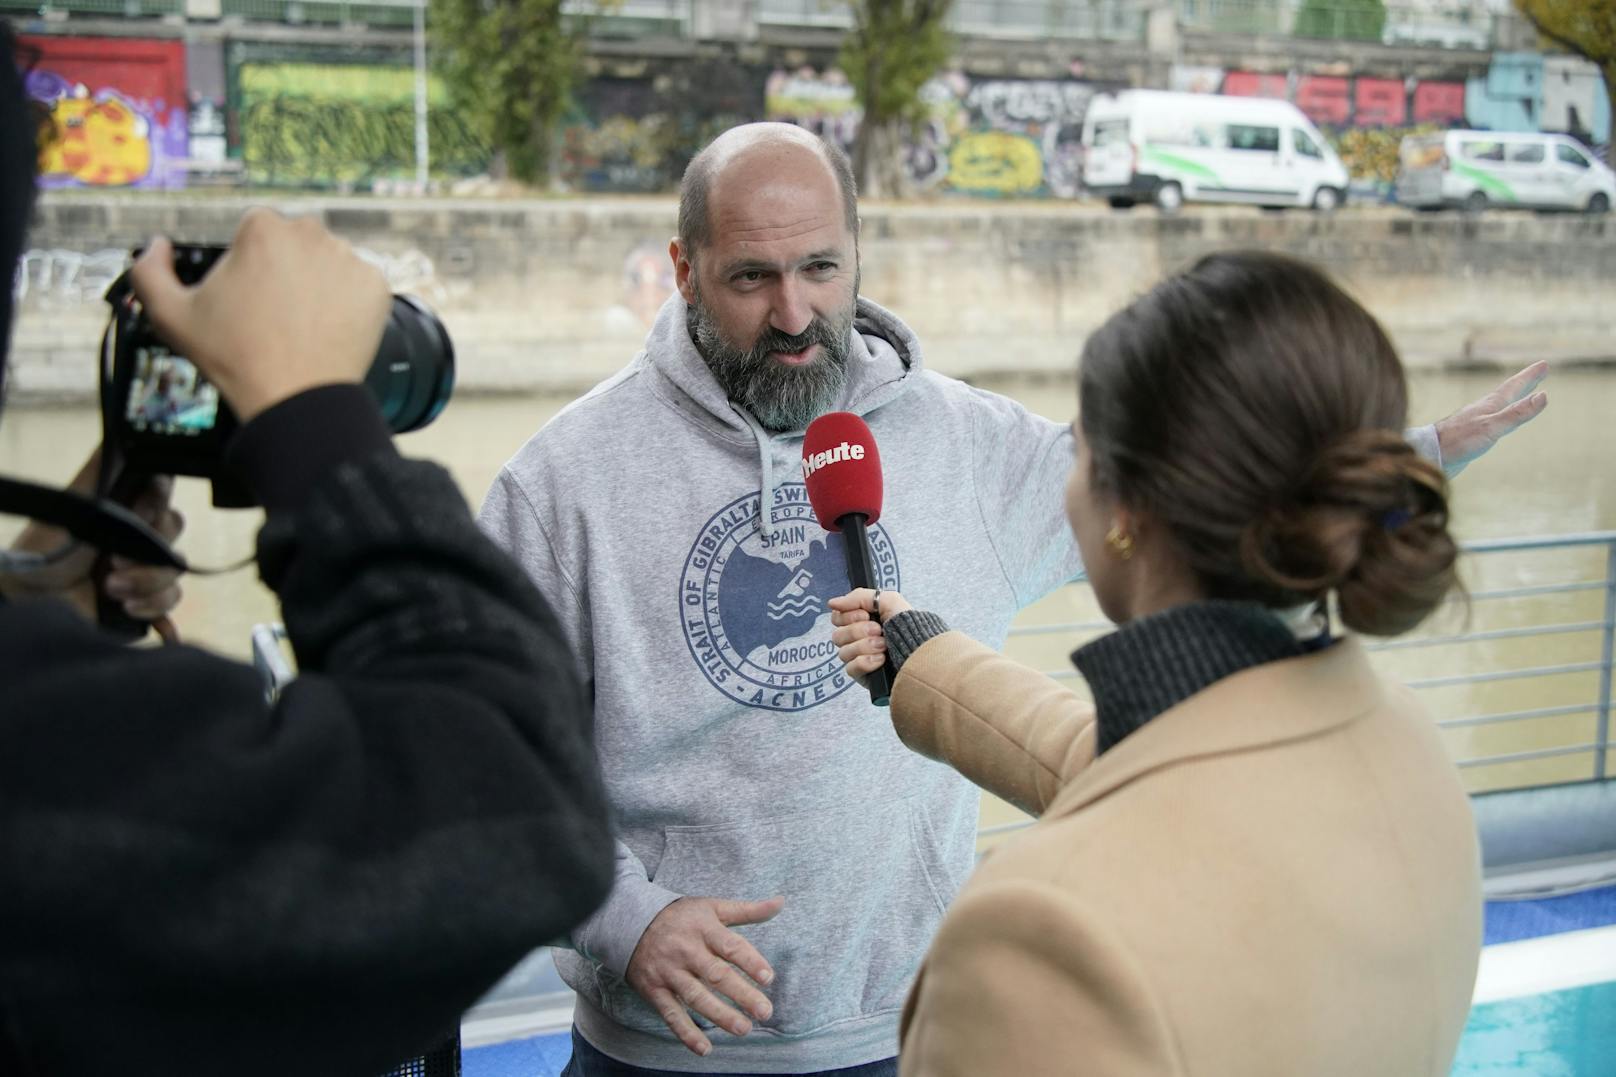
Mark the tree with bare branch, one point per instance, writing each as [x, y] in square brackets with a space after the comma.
[1586, 28]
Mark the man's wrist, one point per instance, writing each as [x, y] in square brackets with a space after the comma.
[614, 932]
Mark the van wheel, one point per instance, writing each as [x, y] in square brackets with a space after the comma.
[1326, 199]
[1118, 202]
[1475, 202]
[1599, 203]
[1170, 198]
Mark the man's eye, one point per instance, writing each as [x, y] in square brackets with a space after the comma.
[822, 267]
[751, 276]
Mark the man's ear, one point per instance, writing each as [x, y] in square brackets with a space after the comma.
[682, 270]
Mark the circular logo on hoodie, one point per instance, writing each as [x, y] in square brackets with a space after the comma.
[754, 600]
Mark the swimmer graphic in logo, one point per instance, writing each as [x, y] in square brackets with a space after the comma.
[754, 604]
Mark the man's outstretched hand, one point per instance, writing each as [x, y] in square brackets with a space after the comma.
[1477, 427]
[689, 959]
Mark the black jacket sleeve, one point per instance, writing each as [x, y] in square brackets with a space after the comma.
[193, 881]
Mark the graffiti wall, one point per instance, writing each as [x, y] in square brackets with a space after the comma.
[637, 134]
[1526, 91]
[118, 107]
[1366, 117]
[345, 125]
[995, 137]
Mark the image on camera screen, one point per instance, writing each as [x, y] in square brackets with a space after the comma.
[168, 396]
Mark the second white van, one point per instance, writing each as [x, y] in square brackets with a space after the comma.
[1475, 170]
[1171, 148]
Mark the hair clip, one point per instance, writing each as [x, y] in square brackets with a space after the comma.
[1395, 518]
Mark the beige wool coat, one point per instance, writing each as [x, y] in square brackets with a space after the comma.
[1278, 877]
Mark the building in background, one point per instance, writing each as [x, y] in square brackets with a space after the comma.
[166, 93]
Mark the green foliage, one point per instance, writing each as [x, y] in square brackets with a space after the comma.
[894, 48]
[1586, 27]
[510, 66]
[1351, 20]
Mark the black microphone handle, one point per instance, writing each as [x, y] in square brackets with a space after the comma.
[861, 573]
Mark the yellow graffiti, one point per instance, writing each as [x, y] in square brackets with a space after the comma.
[102, 143]
[995, 162]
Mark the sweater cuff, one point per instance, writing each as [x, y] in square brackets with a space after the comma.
[906, 631]
[612, 933]
[283, 452]
[1428, 444]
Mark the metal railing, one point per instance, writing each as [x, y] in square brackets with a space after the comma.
[133, 9]
[373, 13]
[1599, 706]
[1460, 25]
[1107, 20]
[1515, 592]
[1507, 591]
[1470, 25]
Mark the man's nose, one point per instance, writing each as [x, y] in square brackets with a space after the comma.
[792, 313]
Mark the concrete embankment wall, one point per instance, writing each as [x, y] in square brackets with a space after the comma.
[557, 295]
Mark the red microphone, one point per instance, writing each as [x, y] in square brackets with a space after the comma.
[842, 468]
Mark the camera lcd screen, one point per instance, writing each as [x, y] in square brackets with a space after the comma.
[167, 396]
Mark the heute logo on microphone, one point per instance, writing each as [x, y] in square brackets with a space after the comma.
[840, 453]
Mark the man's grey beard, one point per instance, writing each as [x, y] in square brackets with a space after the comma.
[780, 397]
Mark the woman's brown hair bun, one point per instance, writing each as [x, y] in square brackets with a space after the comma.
[1371, 524]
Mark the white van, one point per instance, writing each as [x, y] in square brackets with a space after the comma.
[1477, 169]
[1152, 145]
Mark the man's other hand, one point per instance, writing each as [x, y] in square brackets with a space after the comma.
[1475, 428]
[147, 593]
[288, 308]
[689, 959]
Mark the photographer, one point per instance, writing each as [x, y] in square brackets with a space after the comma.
[195, 882]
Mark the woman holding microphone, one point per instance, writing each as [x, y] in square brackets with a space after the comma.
[1253, 855]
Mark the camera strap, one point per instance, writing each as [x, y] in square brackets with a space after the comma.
[103, 524]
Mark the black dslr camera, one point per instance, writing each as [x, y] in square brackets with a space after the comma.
[161, 417]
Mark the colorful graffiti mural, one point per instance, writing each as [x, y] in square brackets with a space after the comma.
[825, 104]
[343, 125]
[1526, 91]
[1366, 117]
[1000, 137]
[118, 107]
[635, 135]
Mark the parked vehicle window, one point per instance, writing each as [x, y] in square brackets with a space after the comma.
[1570, 156]
[1305, 146]
[1529, 154]
[1178, 131]
[1111, 133]
[1421, 153]
[1482, 151]
[1262, 139]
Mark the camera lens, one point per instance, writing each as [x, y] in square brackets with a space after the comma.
[413, 372]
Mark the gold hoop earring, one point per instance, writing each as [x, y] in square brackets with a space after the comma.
[1119, 541]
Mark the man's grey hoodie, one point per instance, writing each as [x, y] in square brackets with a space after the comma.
[673, 536]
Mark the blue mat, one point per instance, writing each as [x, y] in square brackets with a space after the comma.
[1510, 921]
[540, 1056]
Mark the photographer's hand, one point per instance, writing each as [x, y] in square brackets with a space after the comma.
[146, 593]
[289, 307]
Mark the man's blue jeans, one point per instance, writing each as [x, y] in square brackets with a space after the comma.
[588, 1062]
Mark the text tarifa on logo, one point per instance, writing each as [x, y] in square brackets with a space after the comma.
[844, 451]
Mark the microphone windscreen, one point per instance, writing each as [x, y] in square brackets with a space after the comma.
[842, 469]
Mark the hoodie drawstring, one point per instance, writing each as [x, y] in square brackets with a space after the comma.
[765, 451]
